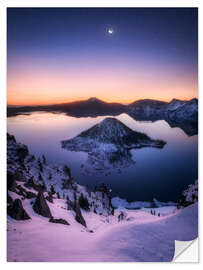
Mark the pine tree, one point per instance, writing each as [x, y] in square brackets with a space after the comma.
[40, 177]
[52, 190]
[49, 197]
[75, 196]
[40, 165]
[67, 171]
[83, 202]
[44, 160]
[44, 186]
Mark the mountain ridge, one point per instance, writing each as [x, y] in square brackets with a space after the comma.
[177, 113]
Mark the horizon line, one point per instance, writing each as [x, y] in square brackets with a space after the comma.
[78, 100]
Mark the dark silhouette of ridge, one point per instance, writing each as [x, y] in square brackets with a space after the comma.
[177, 113]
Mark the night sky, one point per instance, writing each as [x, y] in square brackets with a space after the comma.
[63, 54]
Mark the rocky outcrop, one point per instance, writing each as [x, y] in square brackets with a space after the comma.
[79, 217]
[148, 109]
[19, 150]
[9, 199]
[59, 221]
[23, 180]
[78, 214]
[186, 112]
[16, 210]
[177, 113]
[11, 182]
[189, 195]
[41, 207]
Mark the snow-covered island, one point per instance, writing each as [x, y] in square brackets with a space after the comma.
[108, 145]
[53, 218]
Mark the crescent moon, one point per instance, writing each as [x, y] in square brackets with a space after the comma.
[110, 31]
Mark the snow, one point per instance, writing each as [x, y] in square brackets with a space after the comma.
[139, 236]
[191, 193]
[152, 241]
[163, 210]
[122, 203]
[62, 183]
[143, 238]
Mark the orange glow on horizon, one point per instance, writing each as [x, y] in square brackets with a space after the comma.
[40, 87]
[40, 102]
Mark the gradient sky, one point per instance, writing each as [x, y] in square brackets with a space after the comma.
[60, 55]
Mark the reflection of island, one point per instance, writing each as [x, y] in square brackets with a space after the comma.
[177, 113]
[108, 144]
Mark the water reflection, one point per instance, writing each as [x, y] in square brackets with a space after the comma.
[160, 174]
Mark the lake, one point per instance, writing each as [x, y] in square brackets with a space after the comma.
[157, 173]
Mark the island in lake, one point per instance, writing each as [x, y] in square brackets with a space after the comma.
[108, 145]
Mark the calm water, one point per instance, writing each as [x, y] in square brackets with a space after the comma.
[158, 173]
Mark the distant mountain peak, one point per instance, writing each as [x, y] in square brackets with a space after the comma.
[94, 99]
[175, 100]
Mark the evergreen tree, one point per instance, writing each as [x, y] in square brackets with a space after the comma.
[49, 197]
[44, 188]
[44, 160]
[83, 202]
[67, 171]
[40, 177]
[58, 195]
[52, 190]
[75, 196]
[40, 165]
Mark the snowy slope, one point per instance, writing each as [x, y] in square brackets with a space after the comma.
[25, 167]
[144, 238]
[153, 241]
